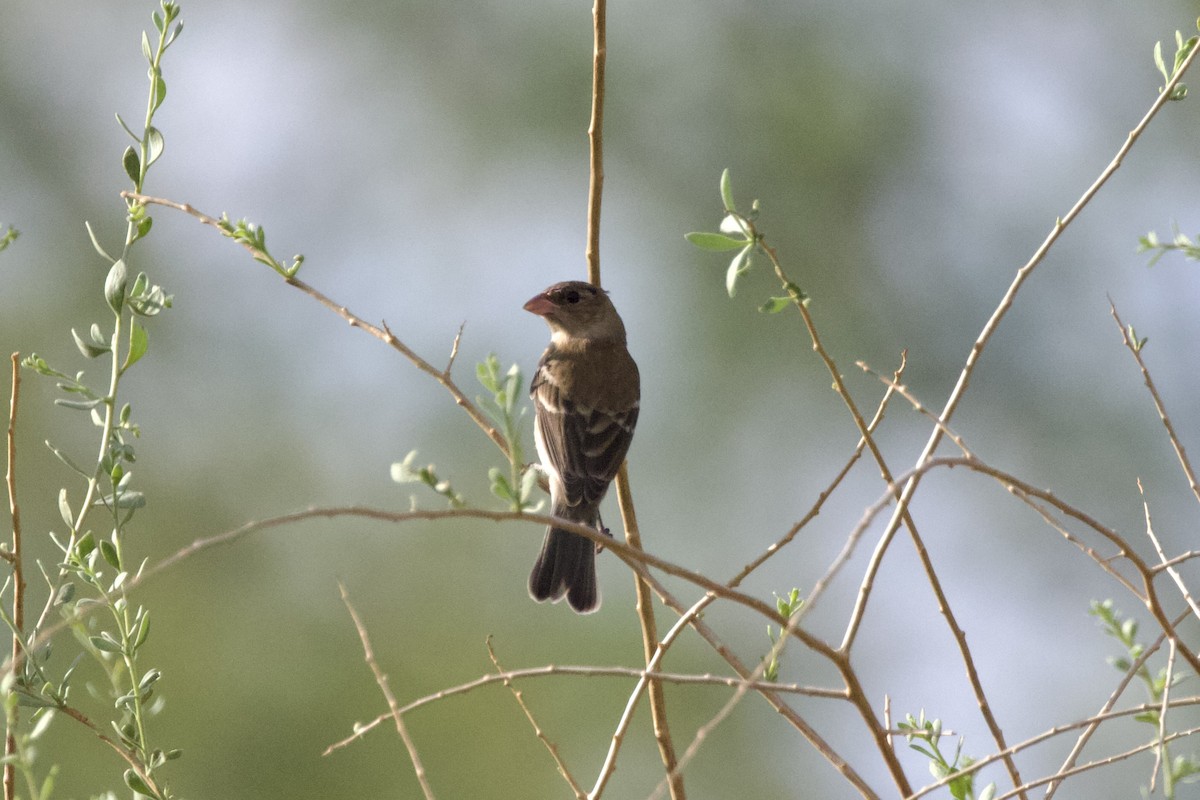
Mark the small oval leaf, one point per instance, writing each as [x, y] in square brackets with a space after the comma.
[114, 286]
[105, 643]
[714, 242]
[135, 782]
[727, 191]
[154, 145]
[64, 508]
[137, 344]
[132, 164]
[110, 554]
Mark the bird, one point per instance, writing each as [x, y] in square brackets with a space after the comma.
[585, 394]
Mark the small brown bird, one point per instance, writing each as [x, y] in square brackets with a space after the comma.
[585, 397]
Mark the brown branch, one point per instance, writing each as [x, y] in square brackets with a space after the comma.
[632, 557]
[380, 332]
[537, 729]
[551, 670]
[1006, 302]
[596, 140]
[645, 604]
[900, 514]
[393, 706]
[649, 626]
[1093, 724]
[10, 739]
[1162, 555]
[128, 756]
[1067, 770]
[1136, 351]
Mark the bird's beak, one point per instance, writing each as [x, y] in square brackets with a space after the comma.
[540, 305]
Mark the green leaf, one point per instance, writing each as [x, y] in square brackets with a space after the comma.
[64, 508]
[714, 242]
[125, 500]
[500, 486]
[87, 349]
[78, 405]
[149, 679]
[114, 286]
[775, 304]
[96, 242]
[139, 639]
[528, 482]
[738, 266]
[146, 51]
[109, 551]
[160, 92]
[137, 345]
[85, 545]
[135, 782]
[178, 29]
[105, 643]
[132, 164]
[143, 226]
[727, 191]
[154, 145]
[64, 458]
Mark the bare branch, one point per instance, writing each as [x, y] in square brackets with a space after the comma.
[18, 617]
[1136, 350]
[393, 707]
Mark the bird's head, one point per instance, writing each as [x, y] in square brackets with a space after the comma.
[578, 310]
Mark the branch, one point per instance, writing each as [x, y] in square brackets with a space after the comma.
[10, 739]
[1136, 350]
[380, 332]
[393, 706]
[537, 729]
[508, 676]
[900, 513]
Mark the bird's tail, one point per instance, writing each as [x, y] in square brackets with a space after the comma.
[566, 565]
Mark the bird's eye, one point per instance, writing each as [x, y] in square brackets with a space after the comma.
[572, 296]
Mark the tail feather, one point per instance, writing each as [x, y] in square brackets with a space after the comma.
[566, 566]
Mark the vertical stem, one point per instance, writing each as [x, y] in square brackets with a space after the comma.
[596, 142]
[10, 739]
[645, 607]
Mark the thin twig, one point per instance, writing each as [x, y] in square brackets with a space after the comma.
[596, 139]
[1100, 762]
[645, 604]
[993, 322]
[777, 647]
[1093, 723]
[1161, 757]
[694, 612]
[14, 509]
[900, 514]
[1136, 350]
[393, 707]
[537, 729]
[1101, 561]
[1058, 730]
[631, 556]
[649, 627]
[127, 755]
[1165, 563]
[863, 705]
[551, 670]
[380, 332]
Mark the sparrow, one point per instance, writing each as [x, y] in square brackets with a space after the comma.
[585, 398]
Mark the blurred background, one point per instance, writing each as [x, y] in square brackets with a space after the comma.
[430, 161]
